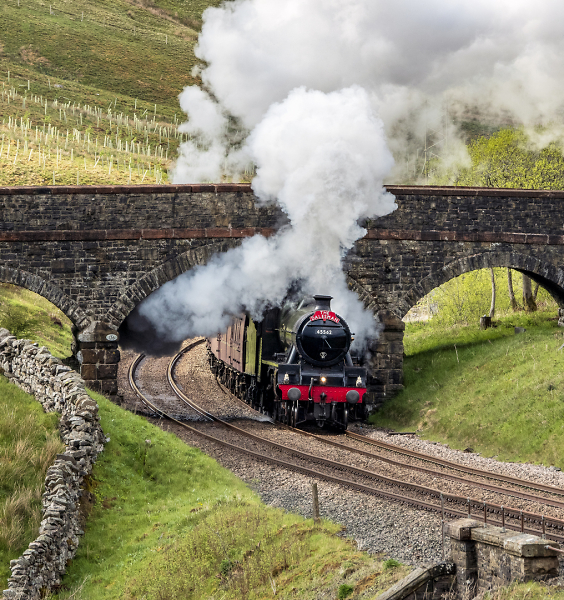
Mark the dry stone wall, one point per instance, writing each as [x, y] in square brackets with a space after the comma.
[60, 389]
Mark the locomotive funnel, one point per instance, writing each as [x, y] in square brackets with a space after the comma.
[322, 302]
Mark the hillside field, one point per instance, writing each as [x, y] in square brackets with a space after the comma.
[495, 391]
[89, 93]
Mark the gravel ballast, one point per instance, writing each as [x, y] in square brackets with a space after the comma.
[378, 526]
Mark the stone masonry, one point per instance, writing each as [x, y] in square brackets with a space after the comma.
[489, 557]
[97, 252]
[59, 389]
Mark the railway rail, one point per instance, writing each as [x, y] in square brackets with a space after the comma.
[488, 475]
[423, 497]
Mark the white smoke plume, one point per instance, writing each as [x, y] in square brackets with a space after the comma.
[309, 92]
[423, 64]
[323, 157]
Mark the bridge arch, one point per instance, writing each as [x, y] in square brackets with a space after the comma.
[545, 273]
[47, 290]
[160, 275]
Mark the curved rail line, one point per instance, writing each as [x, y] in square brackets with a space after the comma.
[457, 466]
[539, 487]
[451, 500]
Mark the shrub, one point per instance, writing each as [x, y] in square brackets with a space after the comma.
[391, 563]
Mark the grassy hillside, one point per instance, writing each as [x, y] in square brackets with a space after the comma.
[494, 391]
[169, 523]
[90, 92]
[132, 48]
[28, 315]
[29, 441]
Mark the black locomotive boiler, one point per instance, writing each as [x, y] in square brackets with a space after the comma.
[295, 365]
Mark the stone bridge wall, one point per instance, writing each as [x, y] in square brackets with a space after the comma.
[96, 252]
[488, 557]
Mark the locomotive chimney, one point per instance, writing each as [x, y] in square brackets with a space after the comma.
[323, 302]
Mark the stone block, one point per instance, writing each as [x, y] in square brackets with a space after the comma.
[493, 536]
[107, 371]
[109, 387]
[391, 321]
[111, 356]
[90, 357]
[98, 331]
[463, 554]
[537, 568]
[94, 384]
[88, 372]
[462, 528]
[527, 545]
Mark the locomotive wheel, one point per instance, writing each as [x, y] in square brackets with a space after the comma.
[345, 417]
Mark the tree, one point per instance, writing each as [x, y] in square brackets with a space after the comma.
[509, 159]
[492, 305]
[528, 300]
[514, 305]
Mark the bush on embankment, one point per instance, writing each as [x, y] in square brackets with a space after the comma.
[495, 391]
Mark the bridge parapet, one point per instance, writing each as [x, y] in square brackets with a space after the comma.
[97, 251]
[489, 557]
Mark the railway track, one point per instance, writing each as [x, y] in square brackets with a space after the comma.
[425, 458]
[421, 497]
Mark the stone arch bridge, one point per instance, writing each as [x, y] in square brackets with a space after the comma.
[96, 252]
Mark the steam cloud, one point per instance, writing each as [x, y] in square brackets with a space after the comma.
[323, 157]
[310, 92]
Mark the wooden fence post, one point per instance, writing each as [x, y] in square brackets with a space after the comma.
[316, 518]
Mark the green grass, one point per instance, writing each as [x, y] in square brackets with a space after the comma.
[116, 45]
[27, 315]
[526, 591]
[500, 393]
[95, 72]
[29, 441]
[169, 522]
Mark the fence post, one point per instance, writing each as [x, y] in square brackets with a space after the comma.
[316, 518]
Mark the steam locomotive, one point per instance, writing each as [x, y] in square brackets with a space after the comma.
[295, 365]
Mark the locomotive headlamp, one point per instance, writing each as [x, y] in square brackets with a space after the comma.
[286, 379]
[323, 379]
[358, 381]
